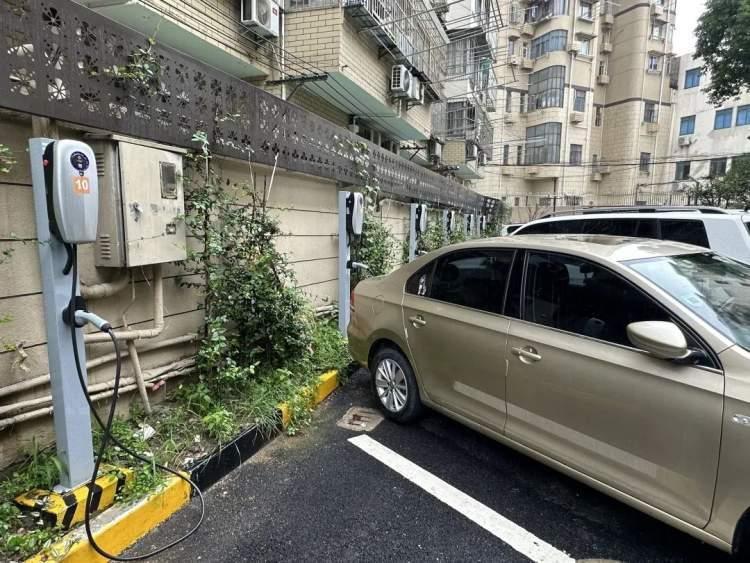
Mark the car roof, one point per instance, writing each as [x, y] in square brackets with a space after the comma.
[687, 215]
[606, 247]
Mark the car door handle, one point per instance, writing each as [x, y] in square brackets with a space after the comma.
[417, 321]
[527, 354]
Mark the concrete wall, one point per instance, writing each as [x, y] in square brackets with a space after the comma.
[307, 211]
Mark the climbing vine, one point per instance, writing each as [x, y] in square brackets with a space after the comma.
[7, 160]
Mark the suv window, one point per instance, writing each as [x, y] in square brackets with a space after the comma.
[577, 296]
[644, 228]
[472, 278]
[681, 230]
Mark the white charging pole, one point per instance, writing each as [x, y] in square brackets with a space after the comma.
[72, 418]
[343, 267]
[413, 231]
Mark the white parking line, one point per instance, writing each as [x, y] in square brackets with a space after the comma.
[514, 535]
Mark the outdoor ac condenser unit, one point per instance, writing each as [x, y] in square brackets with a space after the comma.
[685, 141]
[262, 15]
[483, 159]
[436, 150]
[472, 151]
[416, 91]
[400, 81]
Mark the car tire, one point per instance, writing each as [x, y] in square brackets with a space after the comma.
[394, 386]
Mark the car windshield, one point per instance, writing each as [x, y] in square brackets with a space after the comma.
[714, 287]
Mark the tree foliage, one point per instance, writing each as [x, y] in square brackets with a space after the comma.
[723, 41]
[732, 190]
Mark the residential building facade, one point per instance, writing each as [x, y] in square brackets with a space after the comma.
[585, 90]
[704, 137]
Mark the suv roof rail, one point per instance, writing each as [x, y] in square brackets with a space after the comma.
[641, 209]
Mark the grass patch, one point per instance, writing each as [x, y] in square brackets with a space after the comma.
[23, 534]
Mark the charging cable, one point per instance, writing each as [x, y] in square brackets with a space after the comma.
[76, 316]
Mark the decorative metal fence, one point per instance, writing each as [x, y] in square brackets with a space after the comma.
[66, 62]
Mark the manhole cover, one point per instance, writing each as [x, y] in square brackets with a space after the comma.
[360, 419]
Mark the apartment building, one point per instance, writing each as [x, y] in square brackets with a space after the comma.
[585, 92]
[462, 121]
[374, 66]
[704, 137]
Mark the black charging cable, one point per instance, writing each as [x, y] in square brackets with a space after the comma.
[107, 432]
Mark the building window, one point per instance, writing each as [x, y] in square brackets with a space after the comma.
[598, 116]
[692, 78]
[687, 125]
[516, 201]
[508, 101]
[645, 162]
[511, 47]
[683, 170]
[654, 63]
[717, 168]
[576, 155]
[462, 57]
[515, 13]
[657, 31]
[579, 103]
[543, 143]
[547, 88]
[743, 115]
[525, 50]
[723, 119]
[522, 102]
[586, 11]
[519, 154]
[585, 47]
[549, 9]
[506, 154]
[460, 119]
[649, 112]
[603, 67]
[549, 42]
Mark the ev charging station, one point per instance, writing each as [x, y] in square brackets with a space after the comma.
[449, 218]
[351, 221]
[417, 227]
[66, 202]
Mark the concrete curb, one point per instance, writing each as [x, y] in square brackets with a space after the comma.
[121, 526]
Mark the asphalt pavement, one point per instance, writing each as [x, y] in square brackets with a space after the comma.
[319, 497]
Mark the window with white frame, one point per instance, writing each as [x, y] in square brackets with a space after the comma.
[543, 143]
[654, 62]
[649, 112]
[657, 30]
[579, 99]
[576, 155]
[585, 48]
[586, 10]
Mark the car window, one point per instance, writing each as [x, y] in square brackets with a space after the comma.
[681, 230]
[419, 282]
[577, 296]
[537, 229]
[645, 228]
[472, 278]
[513, 228]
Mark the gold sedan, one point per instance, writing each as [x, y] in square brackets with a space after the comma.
[622, 362]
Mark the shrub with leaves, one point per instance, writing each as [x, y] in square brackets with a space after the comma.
[375, 248]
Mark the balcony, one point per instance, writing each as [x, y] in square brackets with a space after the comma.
[527, 29]
[542, 172]
[411, 32]
[608, 19]
[527, 63]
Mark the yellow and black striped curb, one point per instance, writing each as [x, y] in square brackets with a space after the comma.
[119, 527]
[327, 384]
[68, 509]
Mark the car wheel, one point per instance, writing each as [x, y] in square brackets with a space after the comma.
[394, 386]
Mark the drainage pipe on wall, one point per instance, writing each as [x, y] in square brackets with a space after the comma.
[96, 362]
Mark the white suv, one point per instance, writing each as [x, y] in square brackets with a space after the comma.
[726, 232]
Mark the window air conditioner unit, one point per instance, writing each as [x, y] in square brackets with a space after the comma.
[657, 11]
[514, 60]
[262, 15]
[574, 47]
[472, 151]
[483, 159]
[416, 90]
[400, 81]
[685, 140]
[576, 117]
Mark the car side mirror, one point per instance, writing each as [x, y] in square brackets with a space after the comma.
[663, 340]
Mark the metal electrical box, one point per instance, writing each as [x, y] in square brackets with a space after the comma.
[141, 203]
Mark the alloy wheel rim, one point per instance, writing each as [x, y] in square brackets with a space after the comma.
[391, 386]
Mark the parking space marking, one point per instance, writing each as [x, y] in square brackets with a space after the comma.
[512, 534]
